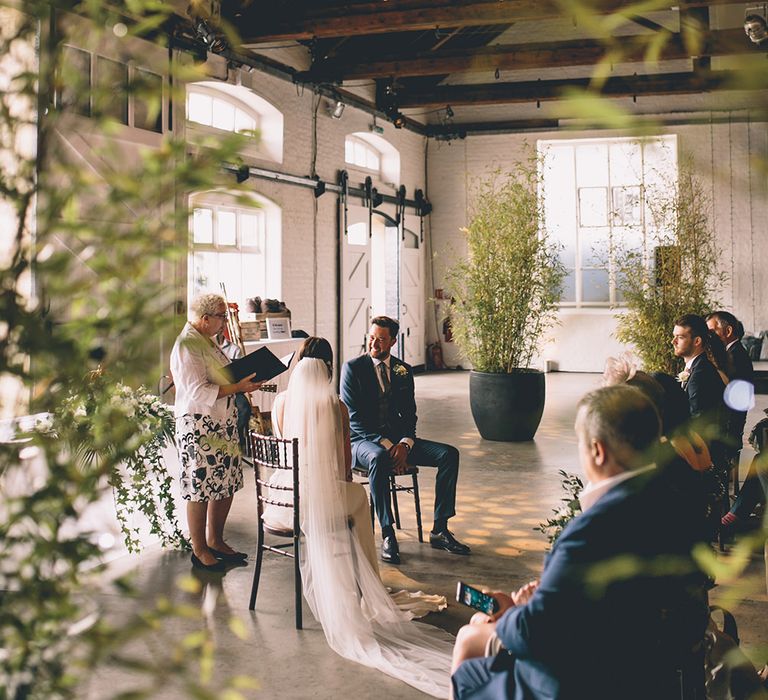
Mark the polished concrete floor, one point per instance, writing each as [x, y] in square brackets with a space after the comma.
[504, 491]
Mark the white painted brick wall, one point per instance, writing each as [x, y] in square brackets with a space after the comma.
[730, 157]
[310, 293]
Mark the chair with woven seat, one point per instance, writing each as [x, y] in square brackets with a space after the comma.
[272, 454]
[394, 489]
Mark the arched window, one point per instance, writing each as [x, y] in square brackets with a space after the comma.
[213, 107]
[375, 154]
[358, 152]
[234, 244]
[220, 113]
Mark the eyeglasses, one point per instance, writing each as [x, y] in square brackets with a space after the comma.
[221, 316]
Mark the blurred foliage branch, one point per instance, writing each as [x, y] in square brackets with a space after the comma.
[87, 272]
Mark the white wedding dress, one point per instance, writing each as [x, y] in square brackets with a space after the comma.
[360, 620]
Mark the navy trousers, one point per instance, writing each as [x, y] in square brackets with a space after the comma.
[425, 453]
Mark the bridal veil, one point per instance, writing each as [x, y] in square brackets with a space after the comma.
[346, 596]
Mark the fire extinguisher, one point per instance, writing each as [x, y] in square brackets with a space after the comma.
[447, 330]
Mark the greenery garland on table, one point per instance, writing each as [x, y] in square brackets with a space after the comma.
[141, 483]
[553, 527]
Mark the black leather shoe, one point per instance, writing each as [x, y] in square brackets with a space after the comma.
[233, 558]
[390, 552]
[445, 540]
[218, 567]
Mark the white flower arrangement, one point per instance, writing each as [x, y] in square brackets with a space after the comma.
[683, 376]
[400, 370]
[140, 482]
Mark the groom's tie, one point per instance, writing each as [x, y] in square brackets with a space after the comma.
[384, 376]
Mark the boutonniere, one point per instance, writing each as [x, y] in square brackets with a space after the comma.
[400, 370]
[684, 376]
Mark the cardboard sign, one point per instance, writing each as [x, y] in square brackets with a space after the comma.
[278, 328]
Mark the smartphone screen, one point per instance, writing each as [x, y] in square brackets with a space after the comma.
[476, 599]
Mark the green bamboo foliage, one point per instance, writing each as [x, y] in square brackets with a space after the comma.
[507, 287]
[685, 277]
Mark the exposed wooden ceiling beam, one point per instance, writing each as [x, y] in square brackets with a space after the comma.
[460, 130]
[518, 57]
[544, 90]
[306, 22]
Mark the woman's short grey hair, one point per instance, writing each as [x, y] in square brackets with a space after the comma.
[206, 304]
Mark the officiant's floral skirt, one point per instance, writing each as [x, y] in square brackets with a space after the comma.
[209, 453]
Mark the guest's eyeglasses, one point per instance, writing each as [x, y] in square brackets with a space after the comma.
[221, 316]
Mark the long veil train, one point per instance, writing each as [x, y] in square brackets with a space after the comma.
[346, 596]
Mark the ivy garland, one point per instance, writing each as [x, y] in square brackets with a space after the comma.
[140, 482]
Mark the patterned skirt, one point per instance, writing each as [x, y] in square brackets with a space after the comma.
[209, 454]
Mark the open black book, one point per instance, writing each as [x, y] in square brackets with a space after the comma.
[262, 361]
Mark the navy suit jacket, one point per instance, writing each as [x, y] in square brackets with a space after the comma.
[360, 393]
[705, 389]
[600, 624]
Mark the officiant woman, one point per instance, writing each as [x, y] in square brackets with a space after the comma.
[206, 432]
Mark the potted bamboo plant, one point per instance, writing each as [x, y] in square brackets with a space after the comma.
[679, 273]
[506, 291]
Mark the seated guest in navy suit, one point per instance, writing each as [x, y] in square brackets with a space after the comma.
[621, 604]
[378, 391]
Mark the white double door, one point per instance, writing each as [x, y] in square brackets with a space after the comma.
[382, 274]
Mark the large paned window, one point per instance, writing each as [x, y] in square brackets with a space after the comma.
[597, 197]
[94, 85]
[235, 245]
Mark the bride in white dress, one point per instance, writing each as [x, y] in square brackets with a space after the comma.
[341, 584]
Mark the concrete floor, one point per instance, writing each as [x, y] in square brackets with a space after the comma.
[504, 491]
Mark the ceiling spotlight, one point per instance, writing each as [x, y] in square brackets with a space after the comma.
[206, 34]
[398, 120]
[448, 112]
[755, 24]
[338, 109]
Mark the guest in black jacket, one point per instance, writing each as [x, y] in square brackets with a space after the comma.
[730, 330]
[702, 384]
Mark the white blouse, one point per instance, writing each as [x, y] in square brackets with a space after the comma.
[196, 367]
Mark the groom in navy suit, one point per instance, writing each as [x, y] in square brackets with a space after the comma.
[378, 390]
[621, 604]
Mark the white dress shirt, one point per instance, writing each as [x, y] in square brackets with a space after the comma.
[196, 367]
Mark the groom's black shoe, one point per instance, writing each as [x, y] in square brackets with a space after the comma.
[390, 552]
[445, 540]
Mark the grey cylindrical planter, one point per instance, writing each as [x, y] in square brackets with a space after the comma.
[507, 407]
